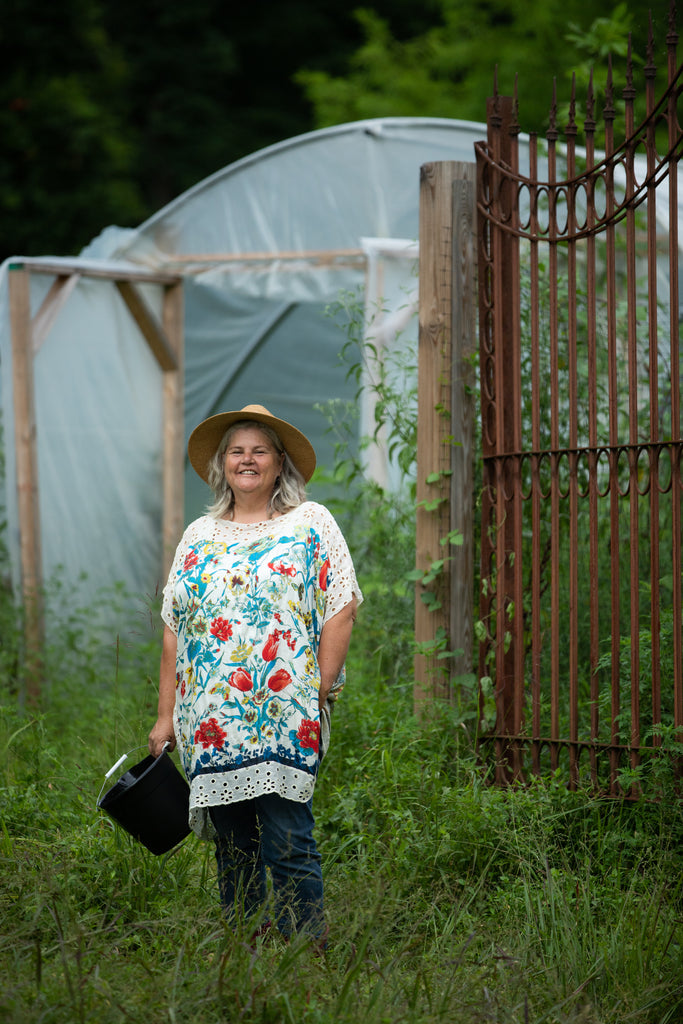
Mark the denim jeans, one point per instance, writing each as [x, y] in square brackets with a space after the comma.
[270, 832]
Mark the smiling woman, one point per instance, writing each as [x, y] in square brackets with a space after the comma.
[258, 612]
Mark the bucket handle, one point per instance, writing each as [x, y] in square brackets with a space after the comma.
[108, 775]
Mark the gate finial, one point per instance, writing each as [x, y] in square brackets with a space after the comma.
[609, 113]
[552, 133]
[495, 118]
[650, 68]
[672, 33]
[589, 121]
[629, 89]
[570, 128]
[514, 124]
[629, 92]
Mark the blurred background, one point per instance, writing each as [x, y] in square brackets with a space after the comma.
[110, 110]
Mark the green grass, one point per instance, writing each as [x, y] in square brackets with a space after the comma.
[448, 900]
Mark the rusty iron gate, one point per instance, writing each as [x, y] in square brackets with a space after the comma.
[581, 653]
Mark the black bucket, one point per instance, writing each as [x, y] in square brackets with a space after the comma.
[151, 801]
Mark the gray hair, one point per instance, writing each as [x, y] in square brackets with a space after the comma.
[290, 486]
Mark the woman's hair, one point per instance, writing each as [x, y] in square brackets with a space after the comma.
[290, 486]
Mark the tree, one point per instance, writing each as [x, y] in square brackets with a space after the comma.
[448, 71]
[65, 158]
[110, 110]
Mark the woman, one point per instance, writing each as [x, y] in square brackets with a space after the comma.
[258, 612]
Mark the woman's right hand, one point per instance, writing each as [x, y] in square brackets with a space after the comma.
[163, 728]
[161, 733]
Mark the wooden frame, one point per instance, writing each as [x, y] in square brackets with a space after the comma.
[447, 340]
[165, 340]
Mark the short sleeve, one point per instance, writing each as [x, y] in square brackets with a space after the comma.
[169, 612]
[342, 583]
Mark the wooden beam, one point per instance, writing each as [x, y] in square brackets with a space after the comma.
[434, 426]
[173, 429]
[57, 296]
[103, 273]
[324, 256]
[152, 331]
[464, 349]
[26, 477]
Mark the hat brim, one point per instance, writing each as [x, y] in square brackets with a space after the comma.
[207, 436]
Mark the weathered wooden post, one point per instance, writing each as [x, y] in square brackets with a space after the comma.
[174, 434]
[26, 476]
[443, 602]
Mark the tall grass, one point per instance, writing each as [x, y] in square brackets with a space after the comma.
[448, 900]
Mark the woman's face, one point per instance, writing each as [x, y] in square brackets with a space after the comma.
[252, 464]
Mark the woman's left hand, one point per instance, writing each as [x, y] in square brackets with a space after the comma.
[333, 647]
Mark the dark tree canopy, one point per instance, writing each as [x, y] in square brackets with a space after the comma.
[110, 110]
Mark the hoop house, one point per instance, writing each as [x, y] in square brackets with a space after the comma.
[261, 247]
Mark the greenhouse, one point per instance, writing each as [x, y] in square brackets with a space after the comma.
[261, 248]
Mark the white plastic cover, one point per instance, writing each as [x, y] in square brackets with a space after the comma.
[98, 426]
[257, 324]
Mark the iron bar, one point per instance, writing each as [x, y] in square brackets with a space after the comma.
[592, 376]
[534, 340]
[675, 390]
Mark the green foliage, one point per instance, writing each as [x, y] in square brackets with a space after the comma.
[67, 160]
[448, 70]
[110, 110]
[448, 900]
[379, 523]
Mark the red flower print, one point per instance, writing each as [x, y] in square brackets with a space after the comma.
[309, 734]
[210, 734]
[271, 645]
[284, 570]
[190, 560]
[324, 572]
[221, 629]
[241, 680]
[279, 680]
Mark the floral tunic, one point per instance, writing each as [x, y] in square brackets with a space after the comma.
[248, 603]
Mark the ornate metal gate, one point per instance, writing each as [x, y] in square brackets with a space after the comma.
[581, 642]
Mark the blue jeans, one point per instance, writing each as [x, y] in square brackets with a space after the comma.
[270, 832]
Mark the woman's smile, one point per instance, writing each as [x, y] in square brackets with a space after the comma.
[252, 465]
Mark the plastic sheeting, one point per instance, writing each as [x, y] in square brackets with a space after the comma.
[98, 427]
[257, 324]
[255, 331]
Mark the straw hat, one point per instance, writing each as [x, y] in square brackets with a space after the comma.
[206, 437]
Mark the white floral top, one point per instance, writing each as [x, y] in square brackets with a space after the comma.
[248, 603]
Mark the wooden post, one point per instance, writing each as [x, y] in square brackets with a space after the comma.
[26, 477]
[173, 427]
[436, 432]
